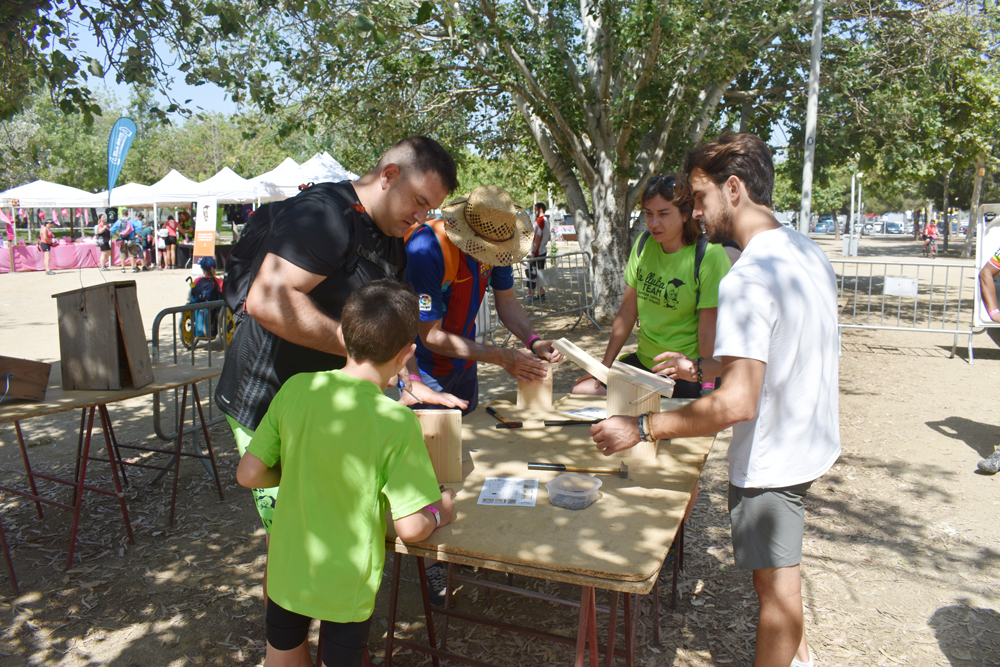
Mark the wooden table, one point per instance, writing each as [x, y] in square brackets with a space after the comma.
[167, 376]
[617, 544]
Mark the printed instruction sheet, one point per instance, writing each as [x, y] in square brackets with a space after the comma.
[510, 491]
[588, 413]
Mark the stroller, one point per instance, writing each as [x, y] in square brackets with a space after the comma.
[204, 324]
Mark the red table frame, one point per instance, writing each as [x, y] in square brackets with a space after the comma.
[96, 403]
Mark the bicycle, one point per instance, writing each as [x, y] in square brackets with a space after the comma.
[930, 248]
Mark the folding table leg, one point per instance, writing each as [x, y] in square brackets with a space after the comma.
[595, 657]
[177, 456]
[581, 630]
[208, 441]
[79, 448]
[27, 467]
[10, 563]
[631, 623]
[679, 553]
[428, 612]
[78, 503]
[105, 421]
[113, 443]
[609, 656]
[673, 593]
[393, 597]
[447, 604]
[655, 597]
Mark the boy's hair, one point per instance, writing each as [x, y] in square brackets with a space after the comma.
[379, 319]
[542, 206]
[423, 154]
[742, 155]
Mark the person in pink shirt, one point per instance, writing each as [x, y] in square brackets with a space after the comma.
[171, 240]
[46, 239]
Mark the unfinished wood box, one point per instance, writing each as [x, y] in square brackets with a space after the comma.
[443, 437]
[102, 342]
[536, 394]
[28, 381]
[633, 392]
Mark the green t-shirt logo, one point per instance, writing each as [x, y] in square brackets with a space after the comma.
[673, 288]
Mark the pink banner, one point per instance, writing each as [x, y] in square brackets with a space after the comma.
[61, 257]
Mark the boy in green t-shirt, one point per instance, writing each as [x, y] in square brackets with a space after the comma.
[343, 452]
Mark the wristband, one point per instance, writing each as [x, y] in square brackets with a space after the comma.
[531, 340]
[994, 312]
[437, 515]
[416, 378]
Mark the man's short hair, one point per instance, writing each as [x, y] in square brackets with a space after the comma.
[542, 206]
[742, 155]
[379, 319]
[423, 154]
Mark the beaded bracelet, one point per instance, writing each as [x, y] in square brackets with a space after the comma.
[697, 366]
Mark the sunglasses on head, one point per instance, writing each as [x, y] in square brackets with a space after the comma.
[669, 180]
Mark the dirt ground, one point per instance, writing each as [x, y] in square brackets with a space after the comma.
[901, 551]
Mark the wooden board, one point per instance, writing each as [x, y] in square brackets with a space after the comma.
[627, 397]
[623, 537]
[582, 359]
[29, 381]
[88, 335]
[133, 334]
[58, 399]
[663, 386]
[443, 437]
[536, 394]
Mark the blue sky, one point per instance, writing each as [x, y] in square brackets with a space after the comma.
[208, 97]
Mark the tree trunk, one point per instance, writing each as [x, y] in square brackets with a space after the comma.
[836, 228]
[977, 191]
[609, 248]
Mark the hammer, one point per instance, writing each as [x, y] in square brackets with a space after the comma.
[622, 471]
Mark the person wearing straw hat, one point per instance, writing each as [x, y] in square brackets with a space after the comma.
[450, 263]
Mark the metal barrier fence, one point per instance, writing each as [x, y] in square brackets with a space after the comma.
[201, 351]
[567, 281]
[938, 297]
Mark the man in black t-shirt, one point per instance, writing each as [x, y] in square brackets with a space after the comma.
[328, 241]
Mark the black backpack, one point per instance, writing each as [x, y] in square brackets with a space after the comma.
[248, 253]
[699, 255]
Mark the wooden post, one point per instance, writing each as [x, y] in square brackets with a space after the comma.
[443, 438]
[536, 394]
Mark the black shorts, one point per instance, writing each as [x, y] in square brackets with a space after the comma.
[343, 643]
[535, 264]
[105, 247]
[170, 240]
[45, 246]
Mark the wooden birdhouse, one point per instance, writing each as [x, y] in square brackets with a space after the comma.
[102, 342]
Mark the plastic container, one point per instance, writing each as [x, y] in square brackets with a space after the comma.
[573, 491]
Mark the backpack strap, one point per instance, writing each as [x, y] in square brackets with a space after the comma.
[356, 249]
[641, 243]
[450, 253]
[699, 255]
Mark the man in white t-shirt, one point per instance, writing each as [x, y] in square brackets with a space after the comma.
[776, 339]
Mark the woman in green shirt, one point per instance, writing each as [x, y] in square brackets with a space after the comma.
[676, 308]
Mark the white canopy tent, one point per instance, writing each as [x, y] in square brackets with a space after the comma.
[43, 194]
[176, 189]
[130, 194]
[322, 168]
[229, 187]
[279, 183]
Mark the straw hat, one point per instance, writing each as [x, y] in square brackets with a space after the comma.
[488, 225]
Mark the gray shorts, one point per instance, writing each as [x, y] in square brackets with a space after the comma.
[767, 525]
[129, 249]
